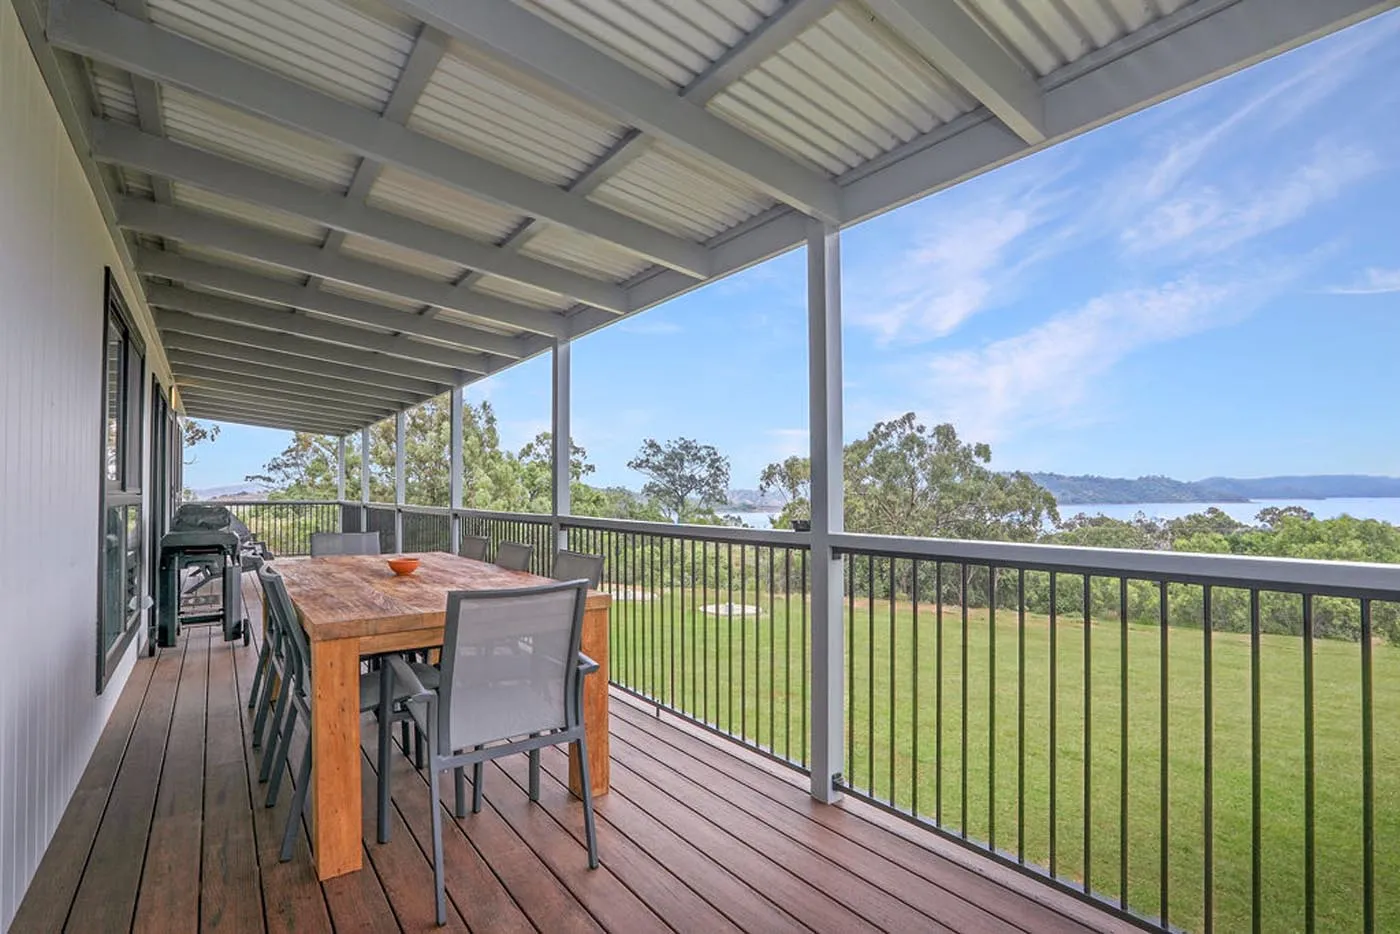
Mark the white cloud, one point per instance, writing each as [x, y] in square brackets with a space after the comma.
[1372, 282]
[1207, 220]
[959, 265]
[1049, 373]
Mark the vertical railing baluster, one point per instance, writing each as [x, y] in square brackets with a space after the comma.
[1309, 777]
[772, 658]
[965, 572]
[1088, 732]
[992, 707]
[870, 674]
[1256, 762]
[850, 668]
[1021, 716]
[787, 653]
[914, 675]
[1123, 743]
[894, 566]
[729, 635]
[1164, 751]
[1054, 698]
[938, 693]
[1208, 763]
[1368, 777]
[743, 640]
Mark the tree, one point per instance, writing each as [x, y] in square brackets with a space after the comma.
[306, 469]
[197, 433]
[906, 479]
[1272, 516]
[792, 480]
[685, 478]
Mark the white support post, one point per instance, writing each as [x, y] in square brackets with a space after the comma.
[561, 434]
[400, 431]
[828, 505]
[364, 479]
[340, 468]
[454, 469]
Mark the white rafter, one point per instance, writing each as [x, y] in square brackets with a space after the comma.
[514, 35]
[942, 32]
[91, 28]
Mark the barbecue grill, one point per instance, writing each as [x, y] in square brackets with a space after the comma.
[202, 559]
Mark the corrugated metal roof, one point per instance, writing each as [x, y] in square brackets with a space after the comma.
[845, 91]
[347, 290]
[514, 291]
[401, 258]
[233, 261]
[210, 125]
[681, 194]
[582, 253]
[1047, 36]
[442, 206]
[210, 202]
[136, 183]
[481, 324]
[510, 119]
[242, 299]
[115, 96]
[352, 52]
[669, 41]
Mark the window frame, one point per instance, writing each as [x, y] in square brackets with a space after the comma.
[125, 490]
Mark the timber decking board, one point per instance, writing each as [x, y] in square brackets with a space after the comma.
[168, 828]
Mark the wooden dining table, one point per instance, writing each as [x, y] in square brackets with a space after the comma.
[353, 606]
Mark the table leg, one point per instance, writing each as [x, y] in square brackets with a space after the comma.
[594, 644]
[335, 757]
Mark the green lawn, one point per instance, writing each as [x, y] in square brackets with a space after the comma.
[749, 678]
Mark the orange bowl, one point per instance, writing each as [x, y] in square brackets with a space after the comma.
[403, 566]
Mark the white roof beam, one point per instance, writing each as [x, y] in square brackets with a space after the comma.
[224, 410]
[334, 406]
[250, 285]
[511, 34]
[202, 364]
[237, 354]
[942, 32]
[91, 28]
[291, 322]
[231, 237]
[126, 145]
[199, 326]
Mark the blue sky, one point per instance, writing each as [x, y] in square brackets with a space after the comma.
[1209, 287]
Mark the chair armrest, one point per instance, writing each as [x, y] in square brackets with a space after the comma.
[586, 665]
[407, 685]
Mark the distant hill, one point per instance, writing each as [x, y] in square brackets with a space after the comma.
[1073, 490]
[233, 491]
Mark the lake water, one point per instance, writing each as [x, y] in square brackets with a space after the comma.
[1386, 510]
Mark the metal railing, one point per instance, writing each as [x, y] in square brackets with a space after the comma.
[1187, 740]
[711, 623]
[285, 526]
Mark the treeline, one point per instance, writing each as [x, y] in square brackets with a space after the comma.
[902, 478]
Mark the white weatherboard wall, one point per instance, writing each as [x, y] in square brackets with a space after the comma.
[54, 248]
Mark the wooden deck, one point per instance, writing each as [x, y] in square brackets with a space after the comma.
[167, 833]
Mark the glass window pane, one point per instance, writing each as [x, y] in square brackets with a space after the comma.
[116, 374]
[113, 591]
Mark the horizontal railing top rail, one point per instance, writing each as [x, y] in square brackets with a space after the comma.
[721, 533]
[1286, 575]
[542, 517]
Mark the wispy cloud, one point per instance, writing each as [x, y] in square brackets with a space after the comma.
[1209, 220]
[1049, 372]
[963, 261]
[1372, 282]
[788, 441]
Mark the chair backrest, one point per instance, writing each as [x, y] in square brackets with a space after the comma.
[513, 556]
[344, 543]
[575, 566]
[510, 663]
[286, 627]
[474, 547]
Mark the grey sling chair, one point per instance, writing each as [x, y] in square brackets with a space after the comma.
[492, 702]
[575, 566]
[474, 547]
[344, 543]
[293, 665]
[513, 556]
